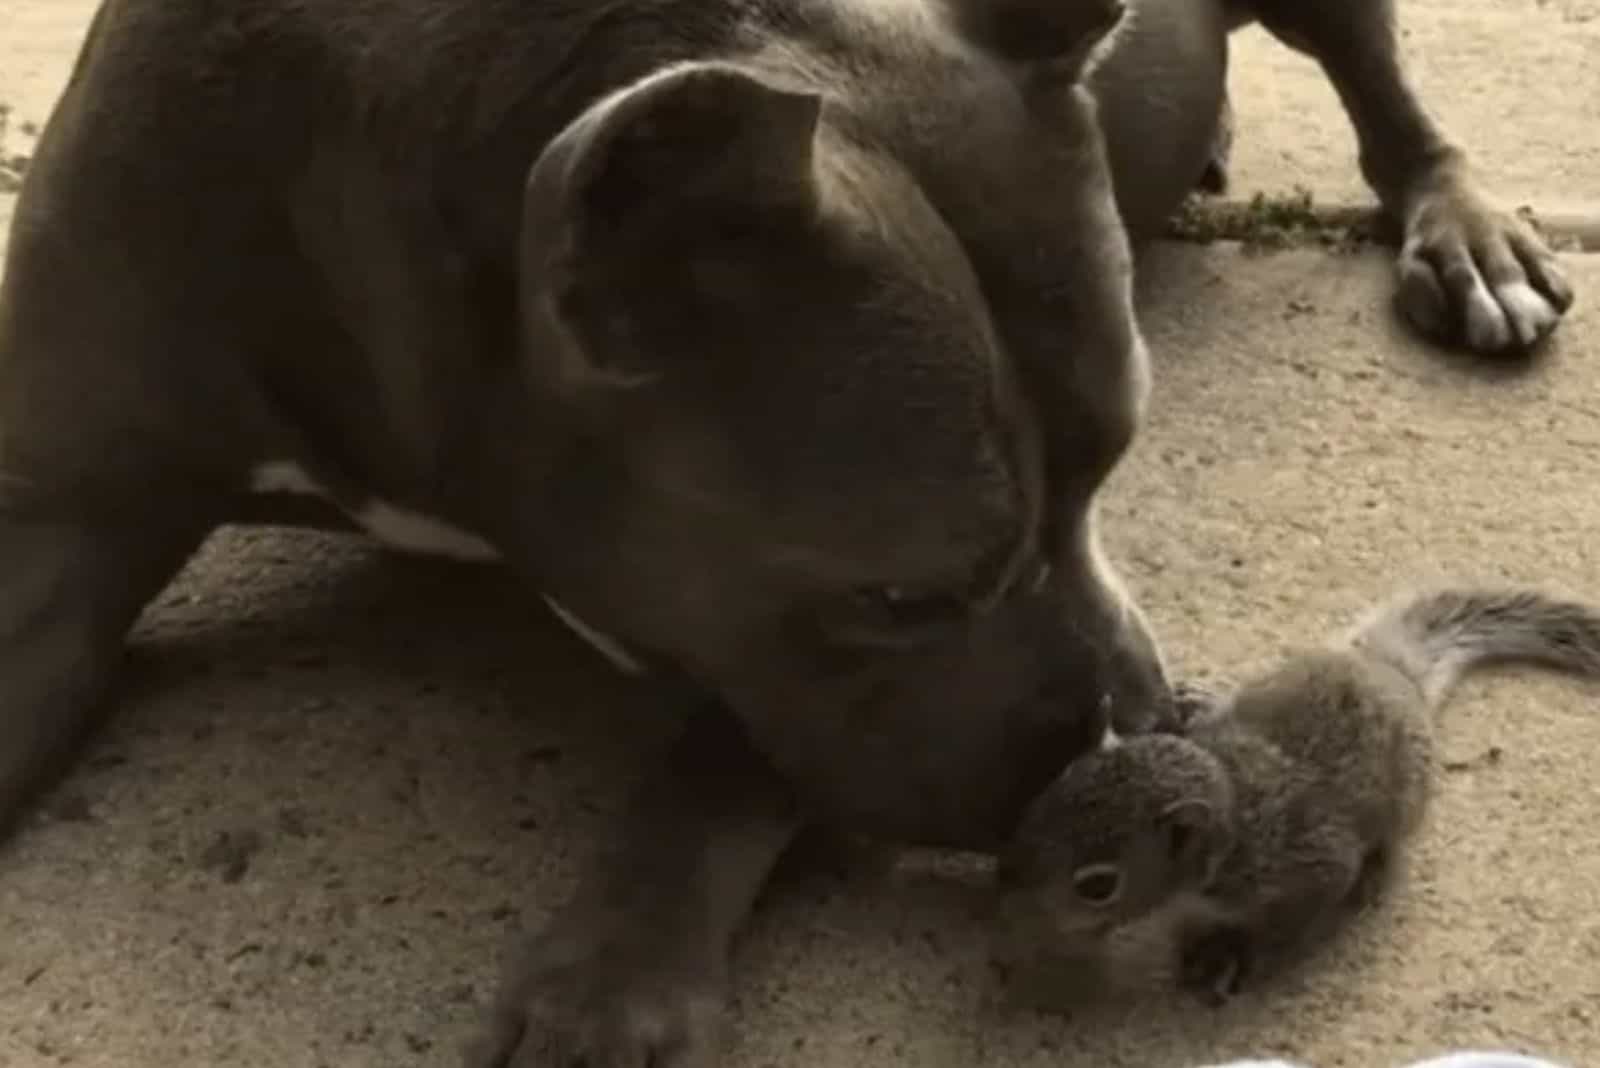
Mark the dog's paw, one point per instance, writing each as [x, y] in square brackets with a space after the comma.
[1217, 964]
[1474, 275]
[602, 1006]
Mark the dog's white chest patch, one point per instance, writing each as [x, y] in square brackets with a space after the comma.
[604, 644]
[281, 476]
[396, 527]
[414, 532]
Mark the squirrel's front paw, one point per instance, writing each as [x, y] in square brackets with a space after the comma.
[1217, 964]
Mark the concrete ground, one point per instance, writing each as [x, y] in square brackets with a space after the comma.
[340, 780]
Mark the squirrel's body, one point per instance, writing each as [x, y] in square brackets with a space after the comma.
[1248, 835]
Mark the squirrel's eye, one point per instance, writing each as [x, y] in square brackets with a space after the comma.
[1098, 884]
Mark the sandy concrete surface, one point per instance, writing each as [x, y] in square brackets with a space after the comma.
[1515, 81]
[340, 780]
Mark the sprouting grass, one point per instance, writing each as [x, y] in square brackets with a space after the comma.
[1267, 223]
[12, 163]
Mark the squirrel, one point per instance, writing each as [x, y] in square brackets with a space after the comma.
[1209, 854]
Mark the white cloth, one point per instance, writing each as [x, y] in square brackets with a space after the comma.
[1487, 1060]
[1463, 1059]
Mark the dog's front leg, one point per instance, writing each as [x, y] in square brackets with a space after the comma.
[631, 971]
[1470, 272]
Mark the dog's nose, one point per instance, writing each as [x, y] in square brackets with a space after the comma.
[1137, 689]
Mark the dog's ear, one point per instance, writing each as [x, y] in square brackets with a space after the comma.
[1050, 41]
[692, 147]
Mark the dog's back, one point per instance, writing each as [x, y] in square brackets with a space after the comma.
[360, 170]
[329, 196]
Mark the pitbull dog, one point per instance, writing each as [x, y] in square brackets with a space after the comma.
[786, 342]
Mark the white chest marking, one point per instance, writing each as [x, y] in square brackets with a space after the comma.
[398, 528]
[413, 532]
[281, 476]
[605, 645]
[417, 533]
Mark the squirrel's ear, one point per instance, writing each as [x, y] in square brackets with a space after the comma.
[1197, 839]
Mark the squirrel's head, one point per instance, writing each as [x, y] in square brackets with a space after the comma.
[1120, 833]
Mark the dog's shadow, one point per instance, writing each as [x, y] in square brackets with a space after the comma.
[450, 683]
[422, 747]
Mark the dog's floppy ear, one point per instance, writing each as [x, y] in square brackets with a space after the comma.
[692, 146]
[1049, 41]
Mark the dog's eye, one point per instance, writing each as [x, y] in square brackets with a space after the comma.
[900, 607]
[891, 617]
[1098, 884]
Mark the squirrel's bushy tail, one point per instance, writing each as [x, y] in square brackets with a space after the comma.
[1437, 636]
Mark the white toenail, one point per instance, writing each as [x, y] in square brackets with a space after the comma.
[1487, 328]
[1530, 314]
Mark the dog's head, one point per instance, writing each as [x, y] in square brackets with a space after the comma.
[843, 378]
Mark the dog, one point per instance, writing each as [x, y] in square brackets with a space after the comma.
[783, 345]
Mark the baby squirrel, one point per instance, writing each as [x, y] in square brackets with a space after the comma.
[1206, 856]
